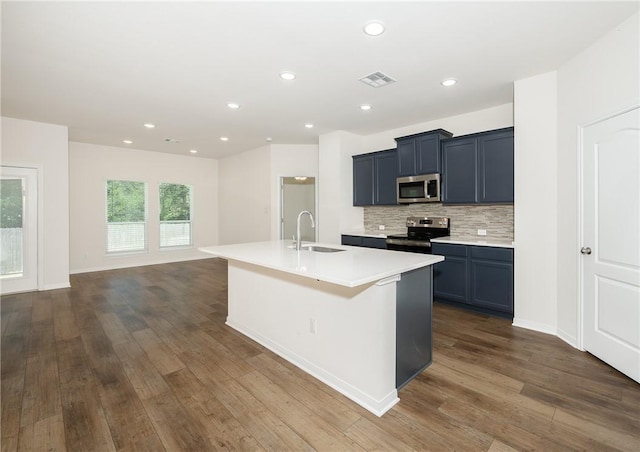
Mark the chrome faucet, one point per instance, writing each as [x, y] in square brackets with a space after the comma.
[313, 225]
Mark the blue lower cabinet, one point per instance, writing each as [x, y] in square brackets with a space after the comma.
[352, 240]
[451, 276]
[367, 242]
[475, 276]
[492, 285]
[372, 242]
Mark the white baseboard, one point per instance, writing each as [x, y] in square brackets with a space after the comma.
[535, 326]
[568, 338]
[64, 285]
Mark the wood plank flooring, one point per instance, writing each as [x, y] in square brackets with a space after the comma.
[140, 359]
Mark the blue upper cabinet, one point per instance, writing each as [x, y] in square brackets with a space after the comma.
[363, 180]
[406, 157]
[374, 178]
[385, 175]
[420, 153]
[495, 167]
[459, 170]
[478, 168]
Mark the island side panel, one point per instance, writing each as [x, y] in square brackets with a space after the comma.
[414, 338]
[354, 344]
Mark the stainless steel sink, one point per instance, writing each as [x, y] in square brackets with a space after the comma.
[320, 249]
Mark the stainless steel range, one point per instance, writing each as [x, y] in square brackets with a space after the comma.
[420, 231]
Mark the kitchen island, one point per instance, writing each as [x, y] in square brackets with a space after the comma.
[357, 319]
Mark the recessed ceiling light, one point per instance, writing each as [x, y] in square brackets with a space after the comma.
[233, 105]
[365, 107]
[193, 151]
[224, 138]
[269, 139]
[449, 82]
[150, 126]
[309, 126]
[374, 28]
[286, 75]
[127, 141]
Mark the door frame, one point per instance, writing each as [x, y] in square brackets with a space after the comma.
[581, 200]
[40, 217]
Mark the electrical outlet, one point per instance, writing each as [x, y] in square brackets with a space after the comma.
[482, 232]
[381, 227]
[313, 326]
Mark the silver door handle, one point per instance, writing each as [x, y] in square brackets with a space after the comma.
[585, 250]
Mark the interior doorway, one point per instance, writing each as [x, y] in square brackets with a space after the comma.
[18, 229]
[297, 193]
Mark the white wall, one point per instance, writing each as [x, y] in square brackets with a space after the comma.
[335, 186]
[44, 146]
[92, 165]
[245, 197]
[289, 160]
[475, 121]
[601, 80]
[535, 206]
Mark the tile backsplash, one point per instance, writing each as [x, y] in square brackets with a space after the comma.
[497, 220]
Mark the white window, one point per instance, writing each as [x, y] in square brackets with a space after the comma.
[175, 215]
[126, 216]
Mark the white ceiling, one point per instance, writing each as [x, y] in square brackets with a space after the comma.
[105, 69]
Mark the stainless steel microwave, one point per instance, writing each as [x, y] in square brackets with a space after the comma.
[421, 188]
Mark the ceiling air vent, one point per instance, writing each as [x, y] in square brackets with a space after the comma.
[171, 140]
[377, 79]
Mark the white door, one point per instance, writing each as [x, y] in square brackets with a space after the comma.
[611, 241]
[18, 229]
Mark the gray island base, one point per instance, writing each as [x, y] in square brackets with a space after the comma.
[358, 320]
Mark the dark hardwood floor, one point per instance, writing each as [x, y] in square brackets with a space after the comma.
[140, 359]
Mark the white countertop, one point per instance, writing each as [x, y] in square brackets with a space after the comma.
[497, 243]
[377, 234]
[351, 268]
[477, 241]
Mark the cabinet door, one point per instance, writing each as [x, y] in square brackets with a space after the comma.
[428, 154]
[363, 180]
[352, 240]
[386, 173]
[372, 242]
[459, 171]
[492, 285]
[406, 150]
[495, 168]
[451, 277]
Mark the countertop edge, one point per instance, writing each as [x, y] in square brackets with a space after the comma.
[474, 242]
[496, 243]
[375, 235]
